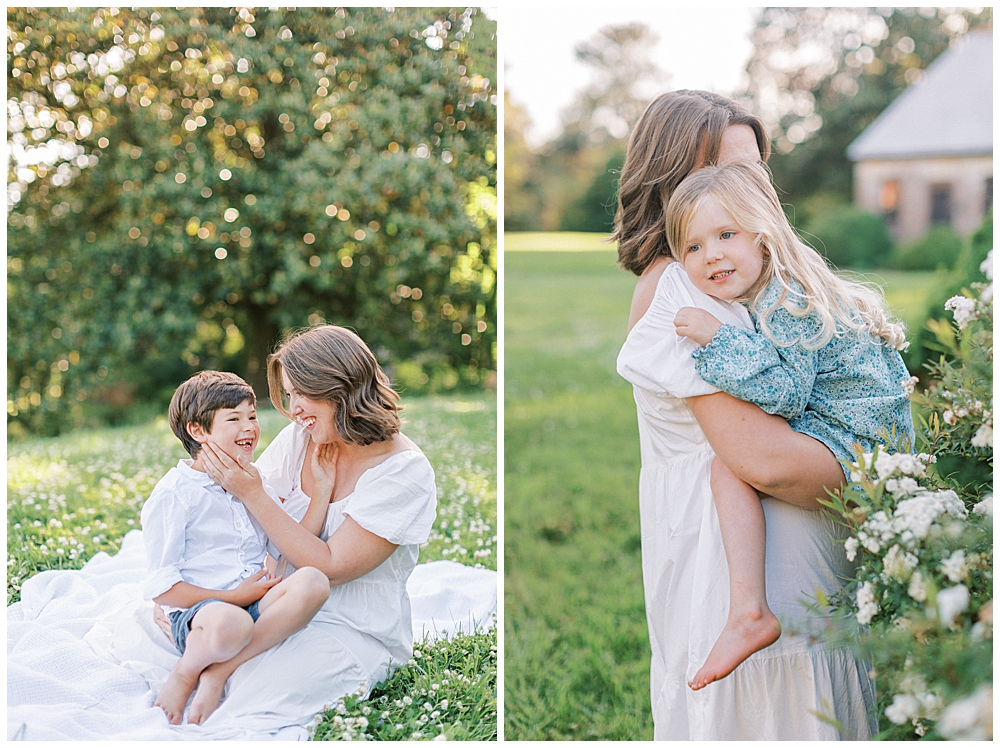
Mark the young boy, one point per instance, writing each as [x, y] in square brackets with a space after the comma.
[206, 553]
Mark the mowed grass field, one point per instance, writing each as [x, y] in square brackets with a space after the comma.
[576, 646]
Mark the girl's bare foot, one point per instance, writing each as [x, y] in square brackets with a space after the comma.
[208, 696]
[174, 695]
[744, 634]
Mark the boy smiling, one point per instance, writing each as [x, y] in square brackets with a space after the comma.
[206, 553]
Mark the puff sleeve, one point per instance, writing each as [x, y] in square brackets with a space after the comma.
[655, 358]
[750, 367]
[397, 500]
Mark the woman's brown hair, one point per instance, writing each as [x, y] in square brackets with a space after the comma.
[332, 363]
[678, 132]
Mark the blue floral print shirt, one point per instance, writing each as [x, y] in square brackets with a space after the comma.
[845, 392]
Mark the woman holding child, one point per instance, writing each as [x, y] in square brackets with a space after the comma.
[358, 498]
[710, 679]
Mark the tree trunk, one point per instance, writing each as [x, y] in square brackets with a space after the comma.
[261, 339]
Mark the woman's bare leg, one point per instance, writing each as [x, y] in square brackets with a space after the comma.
[764, 451]
[751, 625]
[218, 631]
[286, 608]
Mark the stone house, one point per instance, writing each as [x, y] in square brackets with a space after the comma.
[928, 157]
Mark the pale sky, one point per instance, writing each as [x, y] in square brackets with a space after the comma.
[699, 48]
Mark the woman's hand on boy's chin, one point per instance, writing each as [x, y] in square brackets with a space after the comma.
[238, 475]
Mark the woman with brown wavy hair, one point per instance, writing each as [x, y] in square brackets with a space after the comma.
[778, 692]
[358, 500]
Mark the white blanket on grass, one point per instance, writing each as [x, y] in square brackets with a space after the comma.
[84, 658]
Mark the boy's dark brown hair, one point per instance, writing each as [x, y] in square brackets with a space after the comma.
[332, 363]
[679, 132]
[198, 399]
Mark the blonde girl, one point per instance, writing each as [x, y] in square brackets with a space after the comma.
[824, 356]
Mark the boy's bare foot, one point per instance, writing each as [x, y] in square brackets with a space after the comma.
[175, 692]
[208, 696]
[742, 636]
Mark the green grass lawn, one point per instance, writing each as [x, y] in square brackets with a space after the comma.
[576, 645]
[73, 496]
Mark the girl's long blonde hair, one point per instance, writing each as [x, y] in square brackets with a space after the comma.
[746, 192]
[678, 132]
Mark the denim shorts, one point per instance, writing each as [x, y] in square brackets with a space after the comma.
[180, 620]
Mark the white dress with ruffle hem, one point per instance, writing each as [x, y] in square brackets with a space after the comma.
[782, 691]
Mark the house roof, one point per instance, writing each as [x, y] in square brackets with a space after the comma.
[947, 113]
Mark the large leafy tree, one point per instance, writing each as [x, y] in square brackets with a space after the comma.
[819, 76]
[186, 184]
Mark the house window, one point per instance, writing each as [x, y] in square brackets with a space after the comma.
[941, 203]
[888, 200]
[989, 195]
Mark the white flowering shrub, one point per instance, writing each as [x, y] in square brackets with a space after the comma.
[922, 538]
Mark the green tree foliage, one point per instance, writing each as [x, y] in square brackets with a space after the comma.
[595, 209]
[520, 173]
[819, 76]
[594, 128]
[938, 248]
[850, 237]
[927, 348]
[188, 183]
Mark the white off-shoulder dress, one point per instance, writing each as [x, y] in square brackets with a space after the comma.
[364, 629]
[778, 692]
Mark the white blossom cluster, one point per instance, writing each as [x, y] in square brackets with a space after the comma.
[910, 521]
[951, 602]
[914, 703]
[987, 269]
[970, 718]
[964, 310]
[985, 506]
[867, 606]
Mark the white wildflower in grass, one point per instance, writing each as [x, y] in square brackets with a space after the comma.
[951, 602]
[955, 567]
[949, 417]
[986, 266]
[963, 308]
[898, 564]
[917, 588]
[851, 548]
[867, 607]
[969, 718]
[910, 384]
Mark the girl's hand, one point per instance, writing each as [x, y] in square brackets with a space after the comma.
[324, 468]
[696, 324]
[237, 475]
